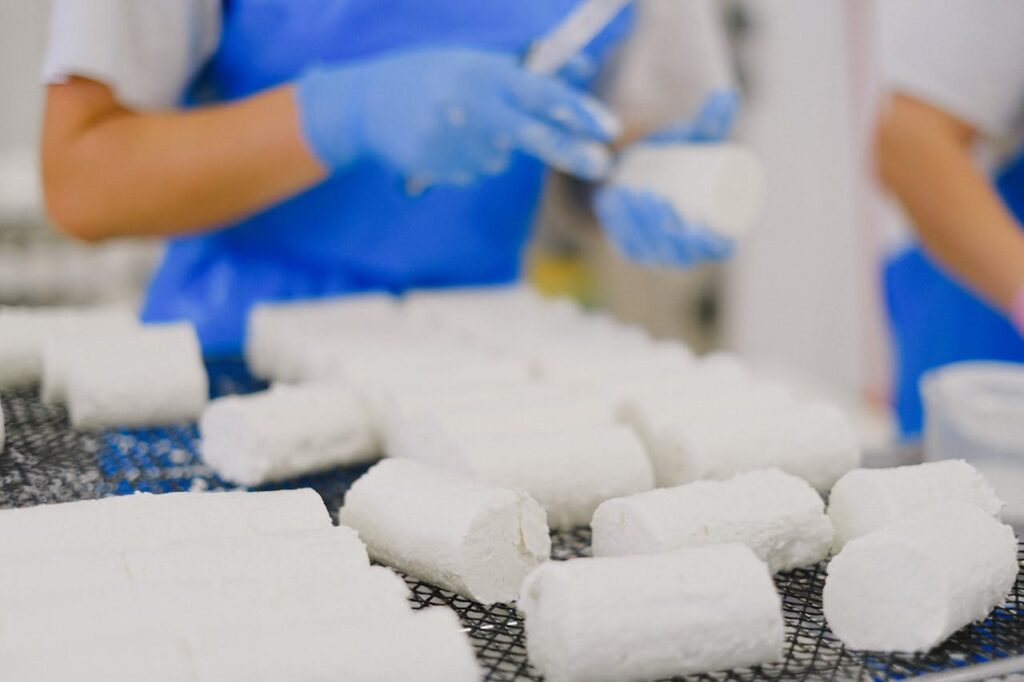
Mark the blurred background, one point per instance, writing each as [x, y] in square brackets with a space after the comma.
[801, 300]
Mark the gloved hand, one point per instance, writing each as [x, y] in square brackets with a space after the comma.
[647, 229]
[450, 116]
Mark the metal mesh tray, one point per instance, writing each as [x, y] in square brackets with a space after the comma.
[48, 462]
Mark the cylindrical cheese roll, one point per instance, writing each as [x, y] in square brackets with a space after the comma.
[416, 420]
[80, 337]
[286, 432]
[271, 324]
[145, 520]
[205, 607]
[301, 557]
[569, 471]
[145, 378]
[426, 646]
[446, 529]
[910, 585]
[779, 516]
[720, 186]
[865, 500]
[634, 619]
[24, 332]
[813, 441]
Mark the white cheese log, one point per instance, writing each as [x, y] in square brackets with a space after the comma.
[865, 500]
[80, 339]
[25, 330]
[813, 441]
[286, 432]
[154, 658]
[145, 520]
[426, 646]
[150, 377]
[634, 619]
[719, 186]
[779, 516]
[270, 324]
[206, 608]
[570, 471]
[413, 417]
[301, 557]
[469, 537]
[910, 585]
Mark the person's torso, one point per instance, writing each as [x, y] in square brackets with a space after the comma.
[362, 220]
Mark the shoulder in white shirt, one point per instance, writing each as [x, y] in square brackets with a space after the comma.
[963, 56]
[147, 51]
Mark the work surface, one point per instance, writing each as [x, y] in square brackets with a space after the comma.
[47, 462]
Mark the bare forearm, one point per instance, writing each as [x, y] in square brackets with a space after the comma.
[924, 159]
[122, 173]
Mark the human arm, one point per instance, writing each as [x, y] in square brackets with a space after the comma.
[434, 116]
[109, 171]
[923, 156]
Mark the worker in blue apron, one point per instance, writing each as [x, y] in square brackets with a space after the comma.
[434, 141]
[936, 321]
[955, 72]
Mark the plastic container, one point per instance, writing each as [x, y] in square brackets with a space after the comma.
[975, 411]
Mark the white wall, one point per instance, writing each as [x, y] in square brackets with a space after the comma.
[803, 290]
[23, 33]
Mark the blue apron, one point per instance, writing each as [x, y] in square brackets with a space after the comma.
[934, 321]
[358, 230]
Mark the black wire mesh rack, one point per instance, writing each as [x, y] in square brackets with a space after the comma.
[46, 462]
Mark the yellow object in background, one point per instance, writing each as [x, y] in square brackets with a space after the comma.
[562, 275]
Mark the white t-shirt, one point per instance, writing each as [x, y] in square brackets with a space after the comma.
[147, 51]
[150, 51]
[963, 56]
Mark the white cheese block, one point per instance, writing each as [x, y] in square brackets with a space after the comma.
[301, 557]
[913, 583]
[151, 377]
[570, 471]
[719, 186]
[426, 646]
[413, 417]
[865, 500]
[634, 619]
[24, 332]
[162, 659]
[468, 537]
[286, 432]
[779, 516]
[813, 441]
[145, 520]
[206, 608]
[80, 339]
[270, 324]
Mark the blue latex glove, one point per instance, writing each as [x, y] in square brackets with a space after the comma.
[450, 116]
[647, 229]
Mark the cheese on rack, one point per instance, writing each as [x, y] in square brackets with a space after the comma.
[286, 432]
[812, 440]
[144, 520]
[25, 330]
[865, 500]
[913, 583]
[426, 646]
[634, 619]
[152, 377]
[469, 537]
[779, 516]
